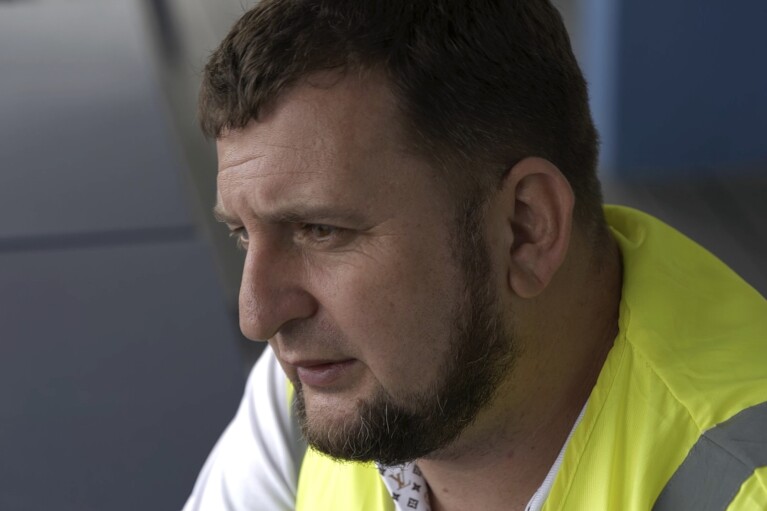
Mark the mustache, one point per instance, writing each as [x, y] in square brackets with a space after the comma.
[309, 335]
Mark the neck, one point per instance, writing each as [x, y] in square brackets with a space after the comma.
[503, 457]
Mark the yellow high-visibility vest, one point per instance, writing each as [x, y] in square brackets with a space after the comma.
[677, 420]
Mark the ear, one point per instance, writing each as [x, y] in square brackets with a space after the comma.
[536, 203]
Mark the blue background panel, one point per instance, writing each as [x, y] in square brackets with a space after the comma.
[691, 87]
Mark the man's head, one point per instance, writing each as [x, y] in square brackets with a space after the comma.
[480, 84]
[365, 156]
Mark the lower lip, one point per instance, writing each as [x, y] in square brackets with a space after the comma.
[323, 375]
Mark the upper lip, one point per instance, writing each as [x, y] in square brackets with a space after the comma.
[315, 362]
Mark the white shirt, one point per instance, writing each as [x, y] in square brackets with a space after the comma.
[254, 465]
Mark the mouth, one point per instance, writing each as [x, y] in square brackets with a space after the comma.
[322, 373]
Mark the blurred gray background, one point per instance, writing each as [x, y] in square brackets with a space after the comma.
[120, 356]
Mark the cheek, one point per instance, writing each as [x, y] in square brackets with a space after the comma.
[396, 312]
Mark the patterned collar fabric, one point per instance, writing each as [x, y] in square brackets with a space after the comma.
[409, 490]
[406, 486]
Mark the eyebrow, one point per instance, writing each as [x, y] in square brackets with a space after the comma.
[301, 213]
[221, 215]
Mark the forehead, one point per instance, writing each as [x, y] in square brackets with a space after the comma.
[330, 135]
[327, 114]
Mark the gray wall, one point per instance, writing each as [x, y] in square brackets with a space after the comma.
[119, 354]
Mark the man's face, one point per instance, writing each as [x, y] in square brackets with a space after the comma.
[357, 275]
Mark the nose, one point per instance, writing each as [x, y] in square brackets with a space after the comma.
[271, 293]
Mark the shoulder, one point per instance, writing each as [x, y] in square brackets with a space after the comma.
[691, 321]
[684, 387]
[255, 463]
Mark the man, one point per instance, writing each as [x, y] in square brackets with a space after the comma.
[447, 305]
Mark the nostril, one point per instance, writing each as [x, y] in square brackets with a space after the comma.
[263, 318]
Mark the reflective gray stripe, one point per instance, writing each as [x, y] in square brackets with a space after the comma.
[718, 464]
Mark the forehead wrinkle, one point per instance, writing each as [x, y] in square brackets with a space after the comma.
[235, 149]
[298, 160]
[274, 195]
[264, 166]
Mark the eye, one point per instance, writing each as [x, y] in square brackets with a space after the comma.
[319, 231]
[241, 236]
[318, 234]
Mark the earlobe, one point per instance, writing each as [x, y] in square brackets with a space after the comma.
[540, 205]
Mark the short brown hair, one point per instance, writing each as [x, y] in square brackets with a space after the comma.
[482, 84]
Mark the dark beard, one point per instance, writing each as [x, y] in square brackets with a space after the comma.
[481, 355]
